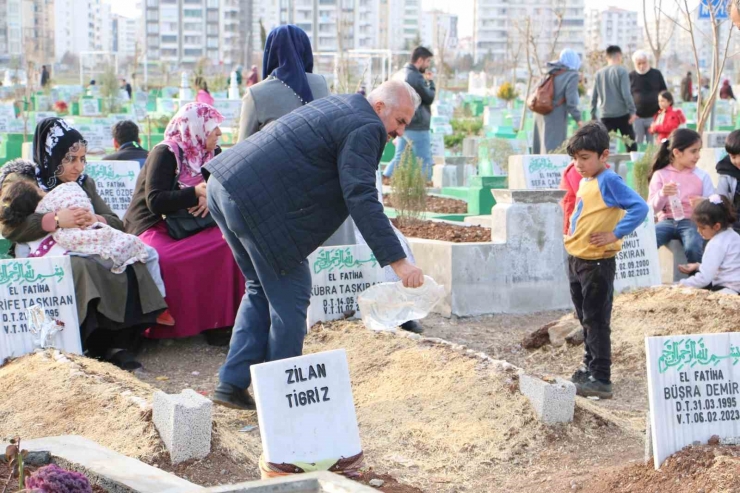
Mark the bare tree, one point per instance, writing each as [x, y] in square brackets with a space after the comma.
[441, 52]
[658, 40]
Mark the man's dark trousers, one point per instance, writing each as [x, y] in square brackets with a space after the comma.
[592, 291]
[622, 125]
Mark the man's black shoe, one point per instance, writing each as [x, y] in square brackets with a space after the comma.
[231, 396]
[580, 376]
[594, 388]
[413, 326]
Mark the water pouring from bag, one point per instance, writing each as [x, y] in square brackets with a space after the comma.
[387, 305]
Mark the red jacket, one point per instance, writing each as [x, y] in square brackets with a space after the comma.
[672, 119]
[570, 182]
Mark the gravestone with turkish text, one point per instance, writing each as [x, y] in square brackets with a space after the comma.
[230, 109]
[637, 263]
[438, 144]
[115, 181]
[537, 172]
[89, 107]
[46, 282]
[40, 116]
[306, 411]
[338, 276]
[43, 102]
[7, 114]
[166, 105]
[96, 137]
[693, 390]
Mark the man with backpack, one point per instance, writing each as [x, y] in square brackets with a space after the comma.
[613, 97]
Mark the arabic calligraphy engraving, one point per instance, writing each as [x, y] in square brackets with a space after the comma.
[339, 258]
[104, 172]
[19, 272]
[688, 352]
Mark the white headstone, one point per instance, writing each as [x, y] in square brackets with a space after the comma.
[537, 172]
[693, 389]
[714, 139]
[230, 109]
[140, 97]
[7, 114]
[438, 144]
[338, 276]
[43, 102]
[637, 263]
[98, 140]
[140, 112]
[89, 107]
[166, 105]
[115, 181]
[47, 282]
[43, 115]
[305, 409]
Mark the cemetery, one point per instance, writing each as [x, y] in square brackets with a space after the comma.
[480, 402]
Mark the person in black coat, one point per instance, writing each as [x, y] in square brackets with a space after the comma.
[281, 193]
[127, 144]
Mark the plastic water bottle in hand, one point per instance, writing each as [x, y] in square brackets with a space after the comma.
[676, 207]
[387, 305]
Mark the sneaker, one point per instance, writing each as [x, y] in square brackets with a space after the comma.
[166, 318]
[594, 388]
[580, 375]
[413, 326]
[231, 396]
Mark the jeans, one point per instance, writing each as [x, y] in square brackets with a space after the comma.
[622, 125]
[642, 136]
[684, 230]
[592, 292]
[421, 142]
[271, 321]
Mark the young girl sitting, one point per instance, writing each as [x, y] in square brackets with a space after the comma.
[675, 173]
[720, 266]
[667, 119]
[116, 248]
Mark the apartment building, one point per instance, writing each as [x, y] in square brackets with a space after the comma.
[501, 26]
[612, 26]
[125, 34]
[437, 29]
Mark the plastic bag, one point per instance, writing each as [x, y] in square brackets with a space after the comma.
[387, 305]
[43, 327]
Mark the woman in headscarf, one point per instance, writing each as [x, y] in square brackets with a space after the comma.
[725, 92]
[288, 82]
[113, 309]
[253, 76]
[550, 130]
[204, 284]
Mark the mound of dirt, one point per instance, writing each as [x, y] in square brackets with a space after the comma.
[439, 205]
[432, 230]
[649, 312]
[706, 468]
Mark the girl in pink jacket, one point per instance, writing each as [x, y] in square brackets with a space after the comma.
[675, 174]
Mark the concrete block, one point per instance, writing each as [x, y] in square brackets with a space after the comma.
[444, 175]
[314, 482]
[184, 424]
[553, 403]
[670, 257]
[470, 146]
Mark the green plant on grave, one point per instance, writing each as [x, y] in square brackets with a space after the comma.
[110, 89]
[581, 89]
[17, 461]
[498, 151]
[408, 188]
[507, 92]
[641, 170]
[454, 140]
[626, 140]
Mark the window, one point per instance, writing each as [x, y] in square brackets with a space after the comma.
[169, 39]
[169, 52]
[191, 26]
[152, 3]
[305, 26]
[213, 54]
[212, 43]
[152, 40]
[193, 13]
[211, 29]
[212, 16]
[152, 28]
[193, 40]
[193, 52]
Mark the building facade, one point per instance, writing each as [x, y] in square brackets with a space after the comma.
[439, 30]
[612, 26]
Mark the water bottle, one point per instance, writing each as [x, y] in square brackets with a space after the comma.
[387, 305]
[676, 207]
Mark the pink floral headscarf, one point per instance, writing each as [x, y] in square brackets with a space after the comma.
[189, 129]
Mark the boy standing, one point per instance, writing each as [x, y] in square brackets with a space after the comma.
[596, 228]
[729, 173]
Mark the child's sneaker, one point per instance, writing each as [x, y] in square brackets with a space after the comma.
[580, 375]
[594, 388]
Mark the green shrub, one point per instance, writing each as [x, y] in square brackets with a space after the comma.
[507, 92]
[641, 169]
[408, 188]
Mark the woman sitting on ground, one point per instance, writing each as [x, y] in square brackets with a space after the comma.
[113, 309]
[204, 284]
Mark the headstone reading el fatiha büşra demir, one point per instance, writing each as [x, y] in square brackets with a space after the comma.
[693, 389]
[637, 262]
[45, 282]
[115, 181]
[306, 411]
[338, 276]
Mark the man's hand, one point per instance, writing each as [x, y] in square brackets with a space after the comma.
[603, 239]
[632, 119]
[411, 275]
[428, 75]
[689, 268]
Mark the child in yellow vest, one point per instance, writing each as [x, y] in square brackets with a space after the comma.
[597, 226]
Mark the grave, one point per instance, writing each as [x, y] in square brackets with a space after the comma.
[45, 282]
[537, 172]
[711, 140]
[693, 390]
[89, 107]
[115, 181]
[637, 263]
[306, 411]
[230, 109]
[522, 270]
[338, 275]
[438, 146]
[455, 172]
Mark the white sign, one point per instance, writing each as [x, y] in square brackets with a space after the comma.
[693, 389]
[305, 410]
[7, 114]
[43, 103]
[43, 115]
[230, 109]
[438, 144]
[338, 276]
[637, 263]
[96, 137]
[537, 172]
[140, 112]
[115, 181]
[46, 282]
[89, 107]
[166, 105]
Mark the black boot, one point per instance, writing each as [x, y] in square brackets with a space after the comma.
[232, 396]
[413, 326]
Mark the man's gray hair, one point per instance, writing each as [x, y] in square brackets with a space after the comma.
[390, 91]
[641, 55]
